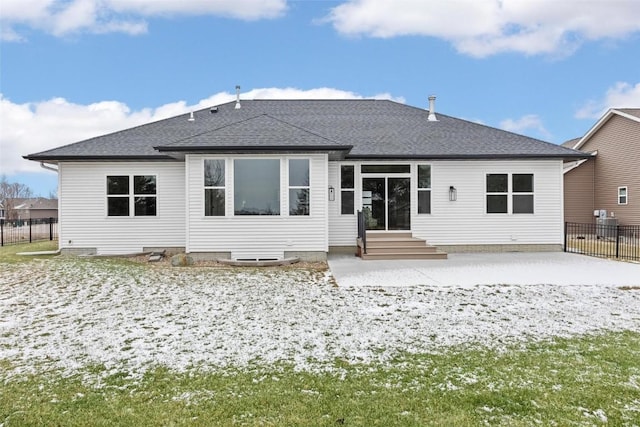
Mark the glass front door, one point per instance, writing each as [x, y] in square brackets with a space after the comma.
[386, 203]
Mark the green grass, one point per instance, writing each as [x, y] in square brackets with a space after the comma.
[8, 254]
[577, 381]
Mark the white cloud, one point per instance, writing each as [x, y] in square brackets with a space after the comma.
[621, 95]
[239, 9]
[37, 126]
[61, 17]
[526, 123]
[485, 27]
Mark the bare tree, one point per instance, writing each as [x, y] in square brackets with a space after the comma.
[9, 191]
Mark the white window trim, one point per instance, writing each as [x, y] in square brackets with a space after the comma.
[283, 194]
[206, 187]
[626, 195]
[131, 196]
[510, 193]
[419, 189]
[229, 187]
[352, 190]
[499, 193]
[523, 193]
[297, 187]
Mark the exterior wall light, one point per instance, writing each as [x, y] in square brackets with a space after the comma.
[453, 194]
[332, 193]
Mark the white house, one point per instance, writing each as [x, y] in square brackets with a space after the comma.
[269, 179]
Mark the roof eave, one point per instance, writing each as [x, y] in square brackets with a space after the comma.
[45, 158]
[467, 156]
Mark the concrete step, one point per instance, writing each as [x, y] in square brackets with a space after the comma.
[415, 255]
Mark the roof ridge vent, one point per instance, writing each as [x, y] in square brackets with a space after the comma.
[432, 109]
[237, 107]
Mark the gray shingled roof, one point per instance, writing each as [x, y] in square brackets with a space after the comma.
[356, 128]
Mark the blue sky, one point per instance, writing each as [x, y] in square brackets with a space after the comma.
[73, 69]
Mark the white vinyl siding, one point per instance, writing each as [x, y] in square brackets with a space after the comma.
[84, 222]
[258, 236]
[343, 228]
[465, 220]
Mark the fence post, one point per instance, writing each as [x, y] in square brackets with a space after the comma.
[565, 235]
[29, 230]
[1, 232]
[617, 241]
[50, 228]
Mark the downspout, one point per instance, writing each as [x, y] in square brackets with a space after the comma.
[49, 168]
[56, 170]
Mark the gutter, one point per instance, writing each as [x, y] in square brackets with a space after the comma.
[49, 168]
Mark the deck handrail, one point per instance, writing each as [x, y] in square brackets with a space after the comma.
[362, 231]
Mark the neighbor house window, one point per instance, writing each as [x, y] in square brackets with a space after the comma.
[299, 187]
[347, 189]
[256, 186]
[623, 195]
[497, 192]
[135, 193]
[214, 187]
[518, 190]
[522, 188]
[424, 189]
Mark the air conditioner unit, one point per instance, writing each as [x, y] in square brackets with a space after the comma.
[606, 228]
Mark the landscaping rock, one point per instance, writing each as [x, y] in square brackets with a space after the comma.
[181, 260]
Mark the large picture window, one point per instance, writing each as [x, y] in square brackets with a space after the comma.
[347, 189]
[299, 187]
[256, 187]
[125, 192]
[424, 189]
[500, 192]
[214, 187]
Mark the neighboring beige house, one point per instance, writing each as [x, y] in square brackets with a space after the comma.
[34, 208]
[610, 179]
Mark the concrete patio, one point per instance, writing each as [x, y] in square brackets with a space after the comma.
[470, 269]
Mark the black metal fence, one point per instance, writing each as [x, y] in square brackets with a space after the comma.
[608, 241]
[27, 230]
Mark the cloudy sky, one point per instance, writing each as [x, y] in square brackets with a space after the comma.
[73, 69]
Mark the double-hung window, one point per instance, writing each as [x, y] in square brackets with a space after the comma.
[623, 195]
[298, 186]
[424, 189]
[347, 189]
[522, 188]
[214, 187]
[509, 193]
[497, 192]
[135, 193]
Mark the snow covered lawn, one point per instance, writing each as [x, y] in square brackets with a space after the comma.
[66, 314]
